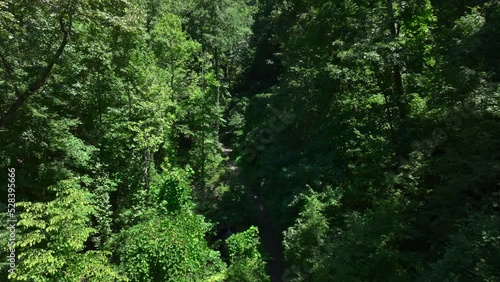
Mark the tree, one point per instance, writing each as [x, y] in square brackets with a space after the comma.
[245, 260]
[169, 248]
[51, 243]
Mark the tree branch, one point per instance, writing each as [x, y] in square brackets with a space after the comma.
[42, 78]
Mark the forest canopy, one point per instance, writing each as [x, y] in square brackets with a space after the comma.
[238, 140]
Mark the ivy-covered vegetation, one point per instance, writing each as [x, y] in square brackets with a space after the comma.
[237, 140]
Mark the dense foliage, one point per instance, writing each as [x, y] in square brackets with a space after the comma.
[390, 169]
[149, 137]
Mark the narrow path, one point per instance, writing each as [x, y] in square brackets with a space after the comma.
[268, 233]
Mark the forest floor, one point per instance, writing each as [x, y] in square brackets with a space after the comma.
[269, 234]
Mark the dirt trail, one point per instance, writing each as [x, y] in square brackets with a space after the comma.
[268, 233]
